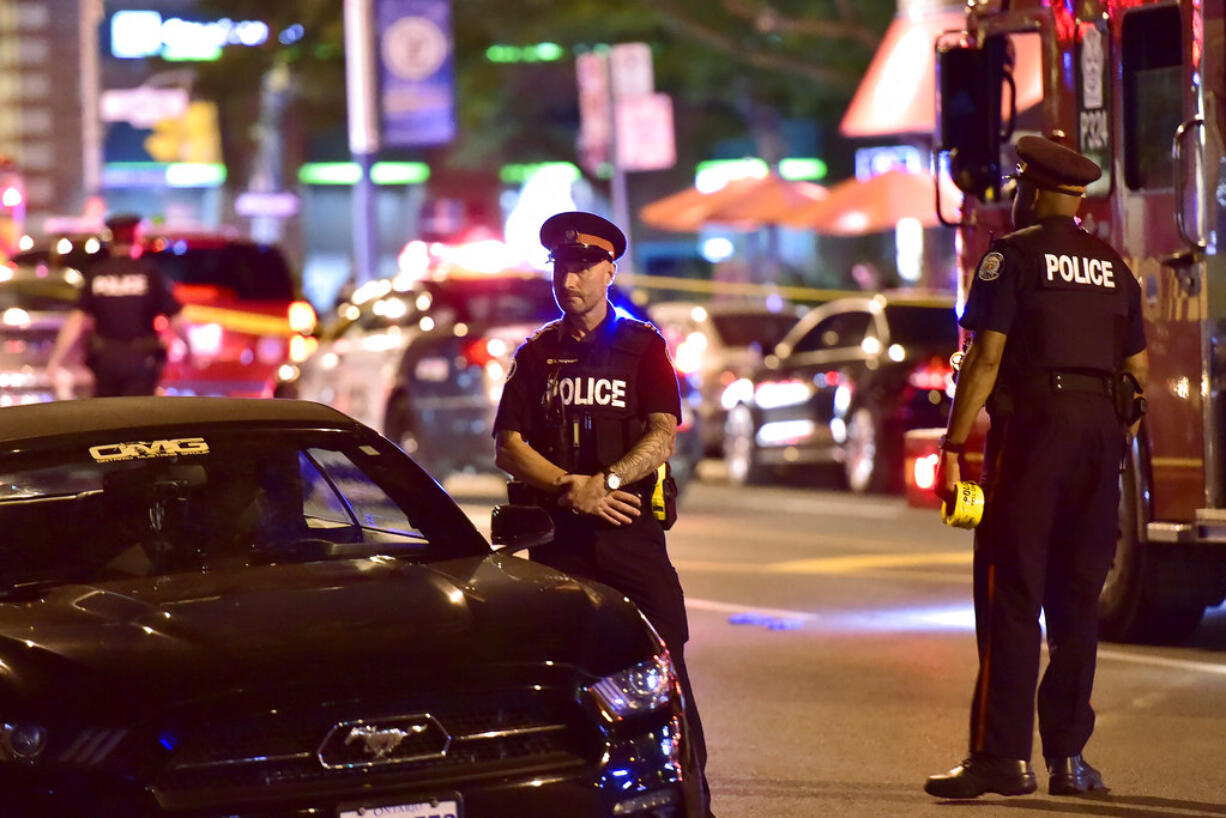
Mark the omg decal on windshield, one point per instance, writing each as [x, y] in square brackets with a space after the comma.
[147, 450]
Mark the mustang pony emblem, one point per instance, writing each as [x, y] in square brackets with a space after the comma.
[379, 743]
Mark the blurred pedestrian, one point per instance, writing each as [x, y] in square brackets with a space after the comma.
[1058, 354]
[122, 297]
[586, 424]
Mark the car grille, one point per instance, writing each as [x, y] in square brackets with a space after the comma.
[444, 738]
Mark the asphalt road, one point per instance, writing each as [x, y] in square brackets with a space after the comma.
[832, 654]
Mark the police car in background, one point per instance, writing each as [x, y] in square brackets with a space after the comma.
[842, 388]
[35, 300]
[240, 303]
[423, 356]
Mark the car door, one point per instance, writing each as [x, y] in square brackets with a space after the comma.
[829, 355]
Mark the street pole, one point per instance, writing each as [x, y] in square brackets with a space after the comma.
[363, 132]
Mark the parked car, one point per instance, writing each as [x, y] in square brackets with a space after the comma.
[214, 606]
[843, 387]
[424, 360]
[34, 302]
[240, 302]
[716, 342]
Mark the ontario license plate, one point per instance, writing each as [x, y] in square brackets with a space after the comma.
[420, 809]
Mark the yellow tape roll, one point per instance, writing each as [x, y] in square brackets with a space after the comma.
[968, 506]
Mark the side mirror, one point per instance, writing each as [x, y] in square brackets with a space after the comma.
[969, 86]
[520, 526]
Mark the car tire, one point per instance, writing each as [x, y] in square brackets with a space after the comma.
[867, 465]
[1125, 611]
[741, 448]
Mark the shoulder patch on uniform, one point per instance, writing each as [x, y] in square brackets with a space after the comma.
[989, 268]
[544, 329]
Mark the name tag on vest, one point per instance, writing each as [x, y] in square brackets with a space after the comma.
[1090, 272]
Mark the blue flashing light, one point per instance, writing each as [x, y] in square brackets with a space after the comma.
[169, 741]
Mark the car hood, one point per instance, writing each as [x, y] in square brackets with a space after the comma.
[181, 637]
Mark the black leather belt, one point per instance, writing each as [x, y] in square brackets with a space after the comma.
[1065, 381]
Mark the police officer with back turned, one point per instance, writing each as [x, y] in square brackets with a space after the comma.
[1058, 354]
[123, 294]
[587, 421]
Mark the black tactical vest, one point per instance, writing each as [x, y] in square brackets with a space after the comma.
[589, 403]
[1073, 304]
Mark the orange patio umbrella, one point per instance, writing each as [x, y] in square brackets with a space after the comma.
[856, 207]
[744, 204]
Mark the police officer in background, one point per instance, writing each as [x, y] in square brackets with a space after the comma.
[587, 420]
[123, 295]
[1058, 354]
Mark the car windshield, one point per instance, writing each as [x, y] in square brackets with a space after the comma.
[922, 326]
[761, 329]
[132, 506]
[253, 272]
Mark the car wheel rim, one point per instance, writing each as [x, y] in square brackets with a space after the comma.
[739, 445]
[860, 453]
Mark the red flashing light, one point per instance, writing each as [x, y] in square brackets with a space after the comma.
[477, 353]
[935, 374]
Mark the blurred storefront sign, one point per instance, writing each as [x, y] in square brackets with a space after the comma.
[137, 34]
[416, 93]
[277, 204]
[143, 107]
[595, 117]
[872, 162]
[645, 138]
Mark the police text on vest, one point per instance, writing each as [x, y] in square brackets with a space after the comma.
[119, 285]
[1080, 270]
[591, 391]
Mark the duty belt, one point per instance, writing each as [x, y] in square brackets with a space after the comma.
[1066, 381]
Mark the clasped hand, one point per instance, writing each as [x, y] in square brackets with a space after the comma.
[586, 494]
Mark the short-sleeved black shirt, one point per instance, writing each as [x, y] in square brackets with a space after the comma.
[654, 382]
[124, 296]
[1002, 299]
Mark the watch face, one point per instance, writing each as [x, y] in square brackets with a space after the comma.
[612, 481]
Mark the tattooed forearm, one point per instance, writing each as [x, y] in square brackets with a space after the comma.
[653, 448]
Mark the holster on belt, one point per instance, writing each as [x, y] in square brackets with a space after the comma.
[1130, 404]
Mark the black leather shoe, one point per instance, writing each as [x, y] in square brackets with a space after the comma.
[1072, 776]
[980, 774]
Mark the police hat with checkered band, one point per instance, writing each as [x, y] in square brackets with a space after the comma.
[577, 235]
[1051, 166]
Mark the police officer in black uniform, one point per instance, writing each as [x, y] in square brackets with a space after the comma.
[1058, 354]
[123, 294]
[587, 419]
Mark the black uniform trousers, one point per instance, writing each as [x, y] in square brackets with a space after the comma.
[633, 559]
[1046, 542]
[125, 367]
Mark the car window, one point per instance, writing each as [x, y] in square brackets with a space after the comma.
[922, 326]
[51, 294]
[253, 272]
[760, 329]
[138, 505]
[843, 329]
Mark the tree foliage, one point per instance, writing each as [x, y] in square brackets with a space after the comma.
[725, 62]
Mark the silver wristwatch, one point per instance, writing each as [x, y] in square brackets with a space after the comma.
[612, 480]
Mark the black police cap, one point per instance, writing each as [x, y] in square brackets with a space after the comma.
[577, 234]
[1051, 166]
[122, 221]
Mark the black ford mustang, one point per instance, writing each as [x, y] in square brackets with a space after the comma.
[214, 607]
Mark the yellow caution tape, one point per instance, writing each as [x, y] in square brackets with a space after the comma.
[968, 506]
[254, 323]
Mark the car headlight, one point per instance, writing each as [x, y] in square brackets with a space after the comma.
[640, 689]
[22, 742]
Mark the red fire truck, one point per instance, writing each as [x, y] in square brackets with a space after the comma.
[1139, 86]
